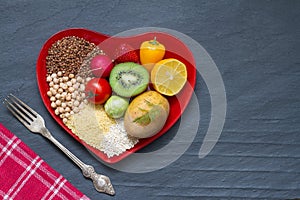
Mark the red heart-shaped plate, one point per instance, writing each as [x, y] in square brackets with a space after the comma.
[174, 49]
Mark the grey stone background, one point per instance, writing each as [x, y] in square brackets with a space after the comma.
[255, 45]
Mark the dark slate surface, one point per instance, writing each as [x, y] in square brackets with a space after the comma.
[255, 45]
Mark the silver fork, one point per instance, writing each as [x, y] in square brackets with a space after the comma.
[36, 124]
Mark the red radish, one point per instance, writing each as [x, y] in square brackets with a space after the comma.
[101, 65]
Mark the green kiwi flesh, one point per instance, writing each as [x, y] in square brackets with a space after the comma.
[128, 79]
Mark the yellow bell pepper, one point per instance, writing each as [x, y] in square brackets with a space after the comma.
[151, 52]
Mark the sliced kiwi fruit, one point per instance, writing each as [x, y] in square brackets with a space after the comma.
[128, 79]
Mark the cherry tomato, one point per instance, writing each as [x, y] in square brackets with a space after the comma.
[98, 90]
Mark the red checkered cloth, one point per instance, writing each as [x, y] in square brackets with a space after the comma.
[24, 175]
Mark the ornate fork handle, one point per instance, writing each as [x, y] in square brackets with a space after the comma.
[101, 183]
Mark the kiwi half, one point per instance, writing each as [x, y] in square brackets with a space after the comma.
[128, 79]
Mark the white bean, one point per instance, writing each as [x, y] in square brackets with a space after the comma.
[53, 75]
[63, 94]
[82, 87]
[49, 79]
[55, 80]
[61, 109]
[64, 86]
[55, 86]
[79, 79]
[58, 102]
[67, 109]
[54, 92]
[63, 104]
[71, 89]
[76, 103]
[53, 105]
[73, 80]
[49, 93]
[57, 96]
[69, 83]
[52, 99]
[76, 110]
[68, 97]
[67, 115]
[78, 98]
[65, 78]
[76, 86]
[56, 111]
[60, 90]
[70, 103]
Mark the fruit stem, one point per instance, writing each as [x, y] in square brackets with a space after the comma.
[90, 94]
[154, 41]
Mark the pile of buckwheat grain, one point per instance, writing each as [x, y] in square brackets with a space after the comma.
[71, 55]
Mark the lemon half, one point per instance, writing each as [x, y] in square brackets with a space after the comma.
[168, 76]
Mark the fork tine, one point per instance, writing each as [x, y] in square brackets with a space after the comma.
[23, 107]
[35, 114]
[17, 114]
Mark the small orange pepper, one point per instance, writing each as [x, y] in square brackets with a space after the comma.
[151, 52]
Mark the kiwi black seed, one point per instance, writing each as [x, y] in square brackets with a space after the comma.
[128, 79]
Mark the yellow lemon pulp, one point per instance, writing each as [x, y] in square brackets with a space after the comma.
[168, 76]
